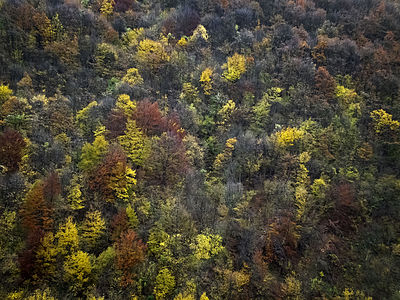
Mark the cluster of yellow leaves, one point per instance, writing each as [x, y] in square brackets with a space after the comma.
[226, 111]
[287, 137]
[235, 67]
[207, 246]
[122, 180]
[165, 284]
[383, 121]
[83, 116]
[5, 93]
[223, 157]
[74, 197]
[107, 7]
[93, 153]
[132, 36]
[93, 228]
[199, 32]
[135, 143]
[291, 288]
[205, 80]
[67, 238]
[301, 185]
[132, 77]
[126, 105]
[77, 270]
[152, 54]
[189, 94]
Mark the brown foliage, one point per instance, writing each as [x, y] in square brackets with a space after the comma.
[100, 179]
[282, 238]
[324, 82]
[149, 118]
[167, 162]
[36, 212]
[119, 224]
[11, 146]
[51, 187]
[130, 251]
[115, 124]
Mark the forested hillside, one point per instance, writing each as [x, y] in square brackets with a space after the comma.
[199, 149]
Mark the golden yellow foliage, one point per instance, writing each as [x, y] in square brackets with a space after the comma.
[205, 80]
[383, 121]
[235, 67]
[152, 54]
[125, 104]
[287, 137]
[224, 157]
[132, 77]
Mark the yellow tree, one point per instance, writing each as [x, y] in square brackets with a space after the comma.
[74, 197]
[92, 229]
[107, 7]
[132, 77]
[67, 238]
[206, 80]
[151, 54]
[135, 143]
[93, 153]
[77, 271]
[46, 258]
[207, 246]
[126, 105]
[165, 284]
[234, 68]
[226, 155]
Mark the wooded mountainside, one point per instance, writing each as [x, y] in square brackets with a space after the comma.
[200, 149]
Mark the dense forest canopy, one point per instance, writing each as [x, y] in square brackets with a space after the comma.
[199, 149]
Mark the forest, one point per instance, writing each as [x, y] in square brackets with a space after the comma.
[200, 149]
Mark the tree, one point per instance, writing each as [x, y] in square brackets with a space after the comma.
[92, 229]
[93, 153]
[132, 77]
[107, 7]
[5, 93]
[74, 196]
[130, 251]
[46, 259]
[36, 212]
[77, 271]
[207, 246]
[288, 136]
[222, 158]
[148, 117]
[126, 105]
[135, 143]
[234, 68]
[12, 145]
[164, 284]
[113, 179]
[152, 54]
[384, 124]
[67, 238]
[206, 80]
[167, 162]
[84, 119]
